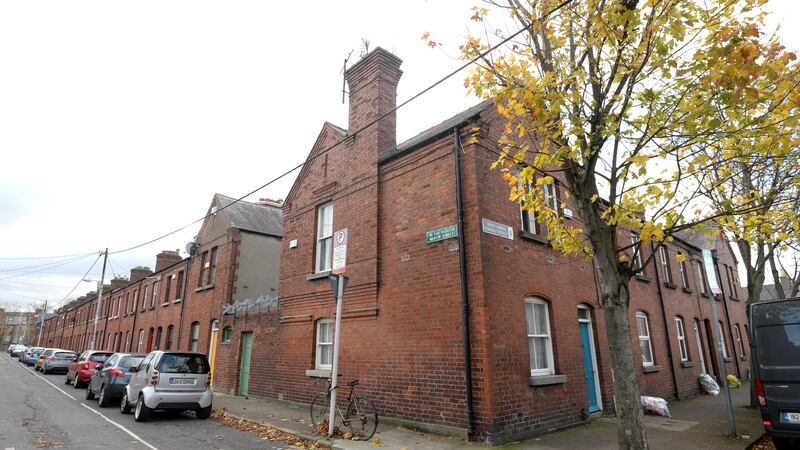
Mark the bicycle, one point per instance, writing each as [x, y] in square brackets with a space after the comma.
[360, 416]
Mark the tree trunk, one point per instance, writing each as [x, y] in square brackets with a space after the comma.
[776, 277]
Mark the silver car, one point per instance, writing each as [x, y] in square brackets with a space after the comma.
[58, 360]
[169, 381]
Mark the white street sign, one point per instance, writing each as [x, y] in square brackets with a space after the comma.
[339, 251]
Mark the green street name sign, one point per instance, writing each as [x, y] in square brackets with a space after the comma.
[440, 234]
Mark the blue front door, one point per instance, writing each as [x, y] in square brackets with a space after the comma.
[588, 367]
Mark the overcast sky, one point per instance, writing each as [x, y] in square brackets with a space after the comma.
[120, 120]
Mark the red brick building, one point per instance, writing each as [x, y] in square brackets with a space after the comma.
[539, 358]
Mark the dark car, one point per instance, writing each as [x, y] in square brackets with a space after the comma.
[82, 367]
[110, 378]
[776, 360]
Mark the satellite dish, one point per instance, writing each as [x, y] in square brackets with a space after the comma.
[191, 247]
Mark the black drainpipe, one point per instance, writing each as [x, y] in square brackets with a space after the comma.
[727, 317]
[666, 323]
[462, 261]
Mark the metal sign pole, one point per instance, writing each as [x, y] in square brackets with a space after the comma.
[335, 367]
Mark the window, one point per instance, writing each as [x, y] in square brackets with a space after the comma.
[195, 336]
[155, 295]
[168, 345]
[682, 270]
[739, 340]
[135, 301]
[169, 288]
[540, 344]
[732, 281]
[179, 286]
[324, 237]
[158, 338]
[550, 196]
[127, 302]
[644, 339]
[324, 351]
[636, 249]
[681, 339]
[141, 340]
[227, 333]
[212, 273]
[203, 269]
[664, 257]
[127, 341]
[722, 338]
[701, 279]
[528, 221]
[144, 297]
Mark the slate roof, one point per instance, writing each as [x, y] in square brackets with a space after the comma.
[251, 217]
[433, 133]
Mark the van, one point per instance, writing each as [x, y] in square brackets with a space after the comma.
[775, 340]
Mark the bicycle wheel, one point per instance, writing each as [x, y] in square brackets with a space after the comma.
[320, 410]
[362, 418]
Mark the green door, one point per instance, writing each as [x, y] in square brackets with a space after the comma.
[244, 365]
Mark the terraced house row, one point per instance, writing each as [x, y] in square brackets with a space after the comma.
[458, 316]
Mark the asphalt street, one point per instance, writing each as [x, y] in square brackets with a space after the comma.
[40, 411]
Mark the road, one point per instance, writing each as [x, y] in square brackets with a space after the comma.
[40, 411]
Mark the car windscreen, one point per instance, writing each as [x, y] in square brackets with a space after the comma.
[65, 355]
[130, 361]
[778, 345]
[174, 363]
[99, 357]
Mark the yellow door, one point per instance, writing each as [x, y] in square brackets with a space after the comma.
[212, 348]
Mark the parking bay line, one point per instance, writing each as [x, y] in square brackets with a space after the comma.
[121, 427]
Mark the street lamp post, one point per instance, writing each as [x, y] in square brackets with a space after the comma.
[99, 298]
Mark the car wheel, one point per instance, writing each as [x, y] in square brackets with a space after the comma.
[142, 412]
[124, 406]
[102, 401]
[203, 413]
[782, 443]
[89, 393]
[76, 384]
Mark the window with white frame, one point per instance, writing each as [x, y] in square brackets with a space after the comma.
[212, 270]
[681, 339]
[550, 196]
[682, 270]
[664, 257]
[155, 295]
[195, 336]
[636, 251]
[528, 217]
[722, 338]
[739, 340]
[540, 343]
[324, 237]
[644, 339]
[702, 286]
[324, 353]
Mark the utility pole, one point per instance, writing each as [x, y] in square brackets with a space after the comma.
[99, 298]
[41, 324]
[339, 285]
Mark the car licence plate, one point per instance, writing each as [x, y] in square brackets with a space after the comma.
[181, 381]
[791, 417]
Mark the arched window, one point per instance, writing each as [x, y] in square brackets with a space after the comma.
[141, 341]
[324, 348]
[194, 336]
[168, 345]
[644, 338]
[540, 342]
[159, 332]
[227, 333]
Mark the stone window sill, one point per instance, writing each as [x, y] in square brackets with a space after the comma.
[687, 364]
[176, 301]
[743, 358]
[644, 278]
[669, 285]
[533, 237]
[728, 359]
[165, 304]
[318, 275]
[687, 290]
[704, 294]
[318, 373]
[546, 380]
[651, 369]
[203, 288]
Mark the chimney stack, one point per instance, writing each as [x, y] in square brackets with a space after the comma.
[139, 272]
[270, 202]
[373, 92]
[118, 282]
[167, 258]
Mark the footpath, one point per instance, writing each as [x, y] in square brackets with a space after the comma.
[697, 423]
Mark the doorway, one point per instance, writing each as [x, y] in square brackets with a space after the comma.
[699, 343]
[712, 349]
[212, 348]
[594, 399]
[244, 364]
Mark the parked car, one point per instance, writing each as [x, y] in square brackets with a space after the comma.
[32, 355]
[47, 352]
[57, 361]
[110, 378]
[83, 366]
[15, 350]
[170, 381]
[775, 342]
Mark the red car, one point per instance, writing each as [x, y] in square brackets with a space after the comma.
[82, 367]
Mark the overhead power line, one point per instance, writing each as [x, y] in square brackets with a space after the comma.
[78, 283]
[350, 136]
[25, 258]
[42, 269]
